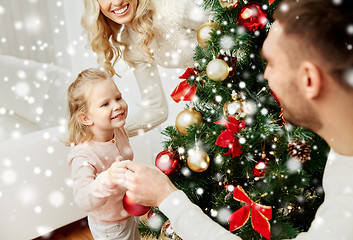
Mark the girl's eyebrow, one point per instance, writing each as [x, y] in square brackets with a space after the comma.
[102, 101]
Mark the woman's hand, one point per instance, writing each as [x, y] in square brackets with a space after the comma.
[147, 185]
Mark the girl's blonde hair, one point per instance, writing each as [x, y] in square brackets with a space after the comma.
[103, 33]
[77, 96]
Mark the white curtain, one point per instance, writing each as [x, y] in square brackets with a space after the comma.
[25, 30]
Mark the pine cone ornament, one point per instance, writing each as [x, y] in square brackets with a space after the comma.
[299, 149]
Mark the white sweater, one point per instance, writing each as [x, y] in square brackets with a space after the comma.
[333, 220]
[175, 27]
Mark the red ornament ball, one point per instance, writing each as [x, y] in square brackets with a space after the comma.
[151, 215]
[252, 17]
[134, 209]
[260, 168]
[167, 162]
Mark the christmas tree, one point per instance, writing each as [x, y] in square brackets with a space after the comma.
[231, 149]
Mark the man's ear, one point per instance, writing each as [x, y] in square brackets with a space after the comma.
[85, 119]
[311, 78]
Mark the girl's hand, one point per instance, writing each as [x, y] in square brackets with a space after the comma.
[116, 173]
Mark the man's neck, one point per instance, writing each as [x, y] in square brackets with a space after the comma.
[338, 131]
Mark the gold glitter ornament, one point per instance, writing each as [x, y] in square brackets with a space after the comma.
[228, 3]
[235, 107]
[198, 160]
[186, 118]
[203, 33]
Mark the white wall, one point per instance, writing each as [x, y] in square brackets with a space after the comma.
[24, 32]
[68, 37]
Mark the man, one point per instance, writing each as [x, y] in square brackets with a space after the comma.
[310, 69]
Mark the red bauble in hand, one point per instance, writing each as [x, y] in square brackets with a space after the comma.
[167, 162]
[134, 209]
[252, 17]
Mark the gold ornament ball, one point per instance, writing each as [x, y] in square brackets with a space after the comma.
[198, 160]
[186, 118]
[217, 70]
[234, 108]
[228, 3]
[167, 232]
[203, 34]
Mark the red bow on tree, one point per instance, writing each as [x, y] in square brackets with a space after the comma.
[228, 137]
[184, 91]
[260, 214]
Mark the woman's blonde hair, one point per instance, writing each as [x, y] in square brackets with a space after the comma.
[77, 96]
[103, 33]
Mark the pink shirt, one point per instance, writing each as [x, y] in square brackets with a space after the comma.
[93, 191]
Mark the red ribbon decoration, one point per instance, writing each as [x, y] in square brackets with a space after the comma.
[188, 73]
[260, 214]
[270, 1]
[184, 91]
[228, 138]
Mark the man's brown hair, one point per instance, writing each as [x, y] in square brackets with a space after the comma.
[323, 30]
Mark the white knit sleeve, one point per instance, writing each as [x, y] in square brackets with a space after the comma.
[186, 13]
[189, 222]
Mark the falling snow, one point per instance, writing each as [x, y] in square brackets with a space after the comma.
[293, 165]
[226, 42]
[222, 215]
[348, 77]
[155, 222]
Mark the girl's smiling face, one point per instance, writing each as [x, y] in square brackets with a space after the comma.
[106, 110]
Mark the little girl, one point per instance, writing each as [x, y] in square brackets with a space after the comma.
[97, 134]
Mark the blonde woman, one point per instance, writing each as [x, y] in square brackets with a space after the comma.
[99, 143]
[145, 33]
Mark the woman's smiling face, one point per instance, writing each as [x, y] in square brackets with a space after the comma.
[119, 11]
